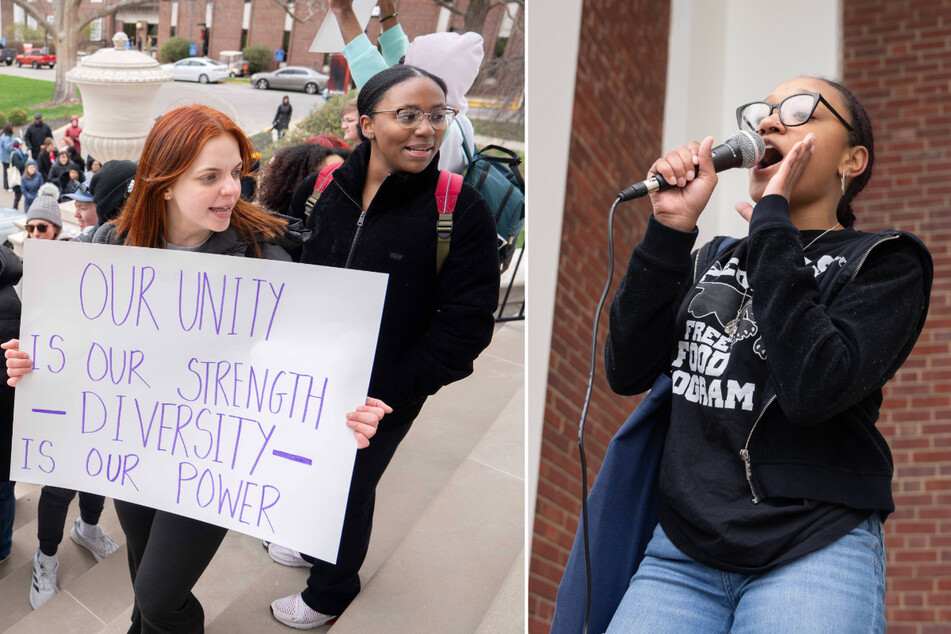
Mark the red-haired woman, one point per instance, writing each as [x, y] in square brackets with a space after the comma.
[186, 196]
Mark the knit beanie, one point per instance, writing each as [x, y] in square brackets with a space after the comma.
[46, 208]
[110, 188]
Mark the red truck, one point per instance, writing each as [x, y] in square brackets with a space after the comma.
[36, 58]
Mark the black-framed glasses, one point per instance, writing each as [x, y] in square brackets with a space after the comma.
[409, 117]
[40, 227]
[793, 110]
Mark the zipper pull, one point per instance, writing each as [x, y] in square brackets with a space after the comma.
[363, 214]
[745, 455]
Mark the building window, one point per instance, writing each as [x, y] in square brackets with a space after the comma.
[244, 39]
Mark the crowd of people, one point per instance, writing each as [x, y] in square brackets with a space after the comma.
[381, 199]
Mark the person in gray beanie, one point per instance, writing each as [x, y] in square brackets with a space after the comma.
[44, 219]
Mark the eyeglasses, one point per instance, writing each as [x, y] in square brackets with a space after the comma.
[410, 117]
[793, 110]
[40, 227]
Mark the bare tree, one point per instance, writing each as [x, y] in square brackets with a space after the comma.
[65, 28]
[475, 14]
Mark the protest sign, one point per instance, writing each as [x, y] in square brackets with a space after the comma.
[329, 39]
[209, 386]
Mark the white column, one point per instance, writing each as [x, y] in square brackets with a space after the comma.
[724, 53]
[552, 43]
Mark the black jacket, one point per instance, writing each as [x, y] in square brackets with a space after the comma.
[10, 271]
[224, 242]
[35, 135]
[814, 437]
[282, 118]
[432, 329]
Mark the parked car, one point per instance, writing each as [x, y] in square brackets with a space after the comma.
[7, 55]
[234, 60]
[200, 69]
[291, 78]
[36, 57]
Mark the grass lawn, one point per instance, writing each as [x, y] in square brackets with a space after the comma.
[20, 92]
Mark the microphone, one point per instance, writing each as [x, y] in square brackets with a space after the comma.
[743, 149]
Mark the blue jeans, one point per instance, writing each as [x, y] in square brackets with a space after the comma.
[7, 506]
[838, 589]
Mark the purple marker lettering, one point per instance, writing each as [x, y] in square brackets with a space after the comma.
[83, 290]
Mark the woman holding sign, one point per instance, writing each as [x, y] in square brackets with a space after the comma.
[186, 196]
[379, 213]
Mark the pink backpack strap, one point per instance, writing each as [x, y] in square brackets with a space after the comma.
[323, 180]
[447, 193]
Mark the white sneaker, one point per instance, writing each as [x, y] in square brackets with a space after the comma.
[44, 581]
[286, 556]
[293, 612]
[100, 545]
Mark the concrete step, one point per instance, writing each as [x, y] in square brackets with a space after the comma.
[507, 615]
[84, 598]
[448, 571]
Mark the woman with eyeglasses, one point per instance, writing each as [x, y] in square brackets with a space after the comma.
[186, 197]
[379, 213]
[774, 481]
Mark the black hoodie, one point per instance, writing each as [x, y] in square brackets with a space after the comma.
[778, 356]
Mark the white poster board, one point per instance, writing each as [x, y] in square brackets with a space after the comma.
[209, 386]
[328, 39]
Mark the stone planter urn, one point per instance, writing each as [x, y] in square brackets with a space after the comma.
[118, 88]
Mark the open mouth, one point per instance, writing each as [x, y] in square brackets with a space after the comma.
[419, 150]
[221, 211]
[770, 158]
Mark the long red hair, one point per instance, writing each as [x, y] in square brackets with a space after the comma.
[173, 143]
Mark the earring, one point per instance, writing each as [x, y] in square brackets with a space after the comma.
[844, 176]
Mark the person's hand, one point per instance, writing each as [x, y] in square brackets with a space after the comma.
[679, 207]
[788, 175]
[18, 363]
[337, 6]
[365, 420]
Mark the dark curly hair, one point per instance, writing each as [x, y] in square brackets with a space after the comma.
[290, 166]
[861, 134]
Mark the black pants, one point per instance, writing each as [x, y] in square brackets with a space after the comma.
[167, 555]
[332, 587]
[52, 510]
[17, 194]
[6, 183]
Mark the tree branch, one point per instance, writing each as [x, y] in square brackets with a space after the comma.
[291, 8]
[49, 27]
[447, 4]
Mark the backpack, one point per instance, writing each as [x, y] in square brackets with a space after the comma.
[447, 193]
[501, 184]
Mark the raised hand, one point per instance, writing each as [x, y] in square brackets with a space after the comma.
[679, 207]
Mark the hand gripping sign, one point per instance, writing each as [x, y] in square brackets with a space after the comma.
[208, 386]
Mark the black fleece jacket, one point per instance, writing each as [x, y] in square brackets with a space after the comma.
[10, 271]
[432, 329]
[830, 344]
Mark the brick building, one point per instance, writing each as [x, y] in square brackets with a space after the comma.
[684, 66]
[221, 25]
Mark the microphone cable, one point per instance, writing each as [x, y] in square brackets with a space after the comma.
[584, 415]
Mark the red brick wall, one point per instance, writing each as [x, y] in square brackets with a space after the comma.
[622, 62]
[267, 27]
[226, 27]
[898, 62]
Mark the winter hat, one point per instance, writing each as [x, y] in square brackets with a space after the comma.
[46, 208]
[110, 186]
[29, 162]
[453, 57]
